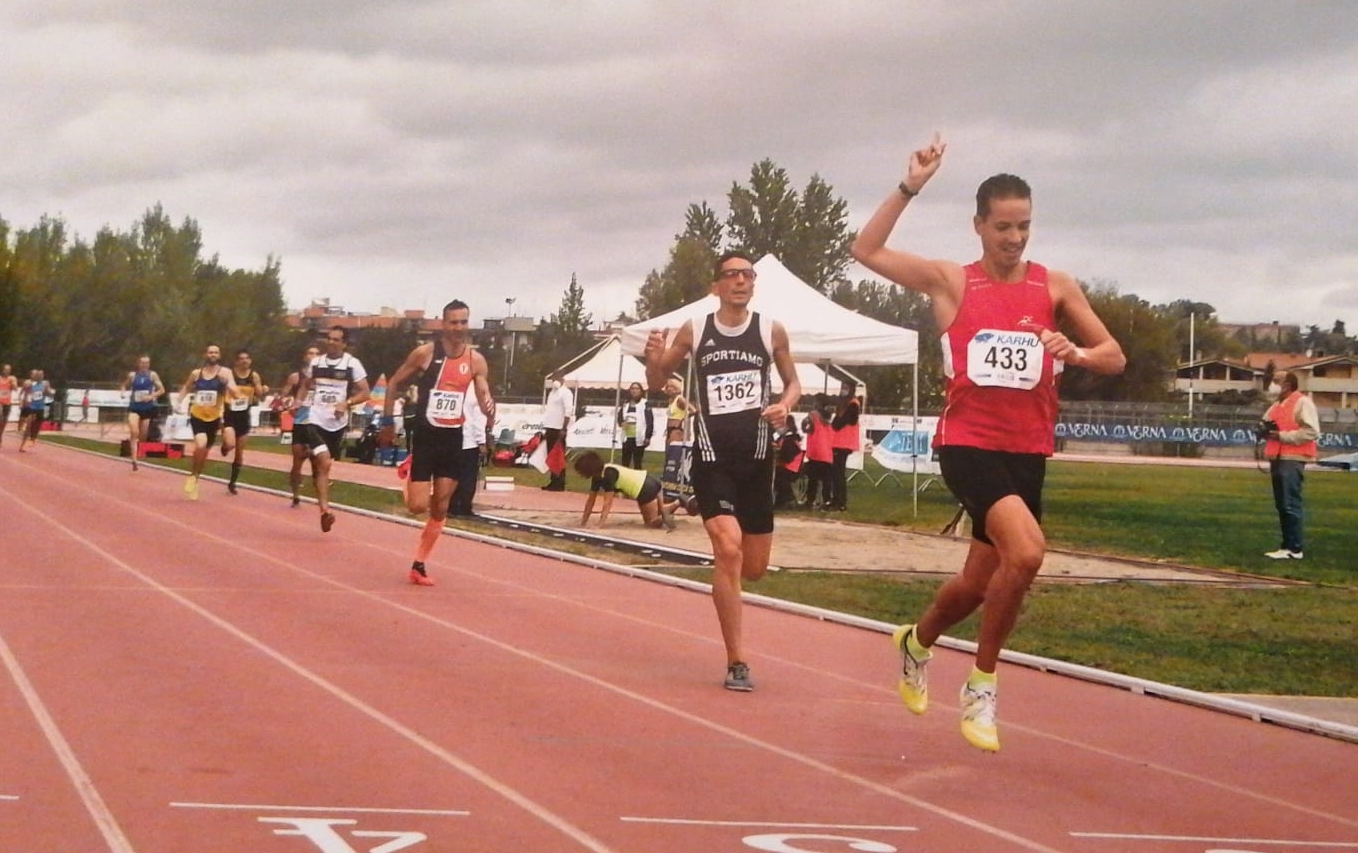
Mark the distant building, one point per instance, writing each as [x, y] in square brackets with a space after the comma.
[321, 315]
[1331, 381]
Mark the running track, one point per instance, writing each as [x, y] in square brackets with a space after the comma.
[220, 676]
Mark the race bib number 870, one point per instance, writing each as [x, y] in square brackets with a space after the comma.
[1005, 359]
[445, 407]
[728, 393]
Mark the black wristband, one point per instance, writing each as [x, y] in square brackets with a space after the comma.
[906, 191]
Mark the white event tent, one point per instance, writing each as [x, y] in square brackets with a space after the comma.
[820, 330]
[604, 366]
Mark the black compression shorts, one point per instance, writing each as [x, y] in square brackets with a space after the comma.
[743, 488]
[980, 478]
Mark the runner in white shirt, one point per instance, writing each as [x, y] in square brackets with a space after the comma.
[336, 382]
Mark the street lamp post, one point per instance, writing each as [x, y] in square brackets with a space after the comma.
[509, 362]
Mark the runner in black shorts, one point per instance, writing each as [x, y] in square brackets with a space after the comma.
[732, 471]
[236, 420]
[451, 375]
[1004, 322]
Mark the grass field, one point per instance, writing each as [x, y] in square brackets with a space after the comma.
[1298, 640]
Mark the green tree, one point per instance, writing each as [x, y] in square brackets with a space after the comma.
[84, 310]
[890, 386]
[1147, 337]
[808, 232]
[686, 278]
[571, 323]
[382, 350]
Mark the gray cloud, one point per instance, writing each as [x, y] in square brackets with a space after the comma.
[391, 153]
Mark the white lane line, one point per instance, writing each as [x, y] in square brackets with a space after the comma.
[695, 719]
[250, 807]
[542, 813]
[8, 797]
[98, 810]
[706, 723]
[766, 824]
[1207, 839]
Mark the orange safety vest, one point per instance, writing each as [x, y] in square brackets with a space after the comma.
[847, 438]
[820, 442]
[1284, 413]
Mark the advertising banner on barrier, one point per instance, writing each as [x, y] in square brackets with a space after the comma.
[674, 480]
[908, 446]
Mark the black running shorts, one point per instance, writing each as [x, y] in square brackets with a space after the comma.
[328, 440]
[980, 478]
[436, 453]
[743, 488]
[207, 428]
[238, 421]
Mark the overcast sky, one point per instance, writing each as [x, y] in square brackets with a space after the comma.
[404, 153]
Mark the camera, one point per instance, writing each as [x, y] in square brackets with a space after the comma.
[1264, 427]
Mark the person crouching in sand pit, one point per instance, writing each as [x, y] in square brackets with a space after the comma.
[610, 480]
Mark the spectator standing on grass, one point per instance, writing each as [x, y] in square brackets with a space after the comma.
[475, 440]
[844, 444]
[638, 425]
[557, 412]
[1002, 354]
[677, 411]
[820, 454]
[1288, 446]
[789, 465]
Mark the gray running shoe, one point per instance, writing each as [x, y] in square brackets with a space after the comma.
[738, 677]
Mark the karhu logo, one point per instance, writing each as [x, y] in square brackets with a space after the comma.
[984, 337]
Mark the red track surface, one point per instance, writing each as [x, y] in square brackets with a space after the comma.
[220, 676]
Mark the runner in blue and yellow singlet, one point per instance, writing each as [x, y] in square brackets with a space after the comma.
[204, 394]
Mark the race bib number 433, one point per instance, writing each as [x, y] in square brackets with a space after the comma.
[728, 393]
[1005, 359]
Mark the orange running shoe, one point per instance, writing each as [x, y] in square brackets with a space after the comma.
[417, 575]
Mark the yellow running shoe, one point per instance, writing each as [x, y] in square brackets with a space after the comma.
[914, 686]
[978, 716]
[191, 487]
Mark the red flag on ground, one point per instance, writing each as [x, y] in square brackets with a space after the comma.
[556, 459]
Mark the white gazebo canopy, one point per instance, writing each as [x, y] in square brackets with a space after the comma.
[819, 330]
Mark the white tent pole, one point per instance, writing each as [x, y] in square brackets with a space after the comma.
[617, 404]
[914, 432]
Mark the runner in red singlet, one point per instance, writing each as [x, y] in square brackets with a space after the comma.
[1002, 354]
